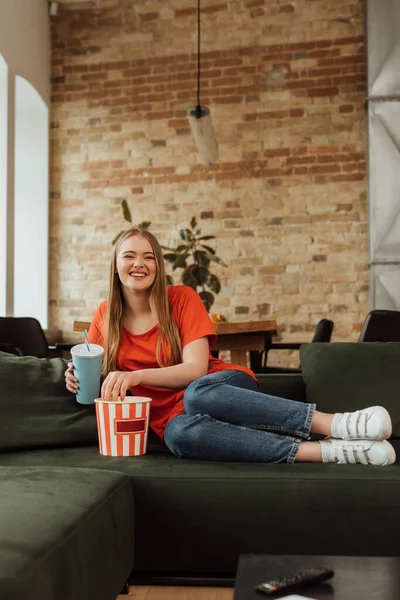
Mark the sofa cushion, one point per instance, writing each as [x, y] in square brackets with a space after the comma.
[196, 517]
[342, 377]
[64, 533]
[35, 407]
[36, 410]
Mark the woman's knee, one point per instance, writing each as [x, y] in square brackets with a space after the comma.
[195, 396]
[182, 437]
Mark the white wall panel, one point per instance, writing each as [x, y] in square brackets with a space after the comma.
[31, 203]
[3, 181]
[383, 49]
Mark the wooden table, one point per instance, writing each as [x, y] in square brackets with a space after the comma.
[239, 338]
[355, 578]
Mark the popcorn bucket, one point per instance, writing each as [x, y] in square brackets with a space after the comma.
[123, 425]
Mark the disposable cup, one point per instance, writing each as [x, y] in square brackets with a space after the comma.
[123, 425]
[87, 369]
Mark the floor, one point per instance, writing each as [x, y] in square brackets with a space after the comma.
[146, 592]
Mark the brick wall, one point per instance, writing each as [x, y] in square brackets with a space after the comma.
[285, 82]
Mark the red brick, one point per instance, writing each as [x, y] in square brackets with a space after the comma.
[94, 76]
[340, 60]
[286, 8]
[324, 72]
[324, 53]
[214, 8]
[327, 91]
[324, 169]
[228, 62]
[346, 108]
[117, 64]
[185, 12]
[325, 149]
[301, 160]
[150, 16]
[302, 46]
[299, 150]
[228, 100]
[327, 158]
[349, 40]
[304, 83]
[351, 167]
[350, 177]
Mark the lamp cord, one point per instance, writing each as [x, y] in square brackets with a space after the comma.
[198, 107]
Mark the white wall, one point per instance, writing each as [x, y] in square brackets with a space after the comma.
[25, 46]
[31, 212]
[3, 181]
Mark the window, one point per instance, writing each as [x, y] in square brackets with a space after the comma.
[31, 215]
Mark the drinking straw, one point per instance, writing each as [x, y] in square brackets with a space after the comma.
[87, 339]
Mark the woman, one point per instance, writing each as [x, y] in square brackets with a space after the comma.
[157, 342]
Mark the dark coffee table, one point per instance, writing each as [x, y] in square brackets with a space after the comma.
[356, 577]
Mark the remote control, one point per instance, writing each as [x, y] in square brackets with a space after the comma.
[294, 581]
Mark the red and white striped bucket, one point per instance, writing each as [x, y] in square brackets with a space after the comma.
[123, 426]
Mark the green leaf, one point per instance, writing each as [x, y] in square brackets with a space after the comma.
[182, 234]
[201, 274]
[193, 222]
[214, 284]
[144, 225]
[218, 260]
[170, 257]
[115, 240]
[125, 211]
[182, 247]
[170, 281]
[180, 262]
[188, 279]
[207, 299]
[202, 258]
[207, 237]
[208, 248]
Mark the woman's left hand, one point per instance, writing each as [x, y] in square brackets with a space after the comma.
[117, 383]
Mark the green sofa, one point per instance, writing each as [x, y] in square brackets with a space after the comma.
[68, 514]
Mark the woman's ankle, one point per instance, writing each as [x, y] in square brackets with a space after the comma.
[321, 423]
[309, 452]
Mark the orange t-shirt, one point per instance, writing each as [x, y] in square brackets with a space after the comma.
[138, 352]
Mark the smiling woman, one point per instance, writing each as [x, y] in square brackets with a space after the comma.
[136, 265]
[157, 341]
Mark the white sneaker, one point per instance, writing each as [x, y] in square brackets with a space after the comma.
[366, 452]
[373, 423]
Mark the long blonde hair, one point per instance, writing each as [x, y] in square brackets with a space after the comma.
[169, 349]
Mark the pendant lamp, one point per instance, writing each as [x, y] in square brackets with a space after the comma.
[200, 118]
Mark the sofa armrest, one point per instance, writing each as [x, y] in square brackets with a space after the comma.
[286, 385]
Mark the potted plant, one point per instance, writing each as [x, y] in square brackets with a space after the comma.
[195, 257]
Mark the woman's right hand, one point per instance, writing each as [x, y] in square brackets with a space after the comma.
[71, 382]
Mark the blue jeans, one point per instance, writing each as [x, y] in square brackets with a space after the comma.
[226, 418]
